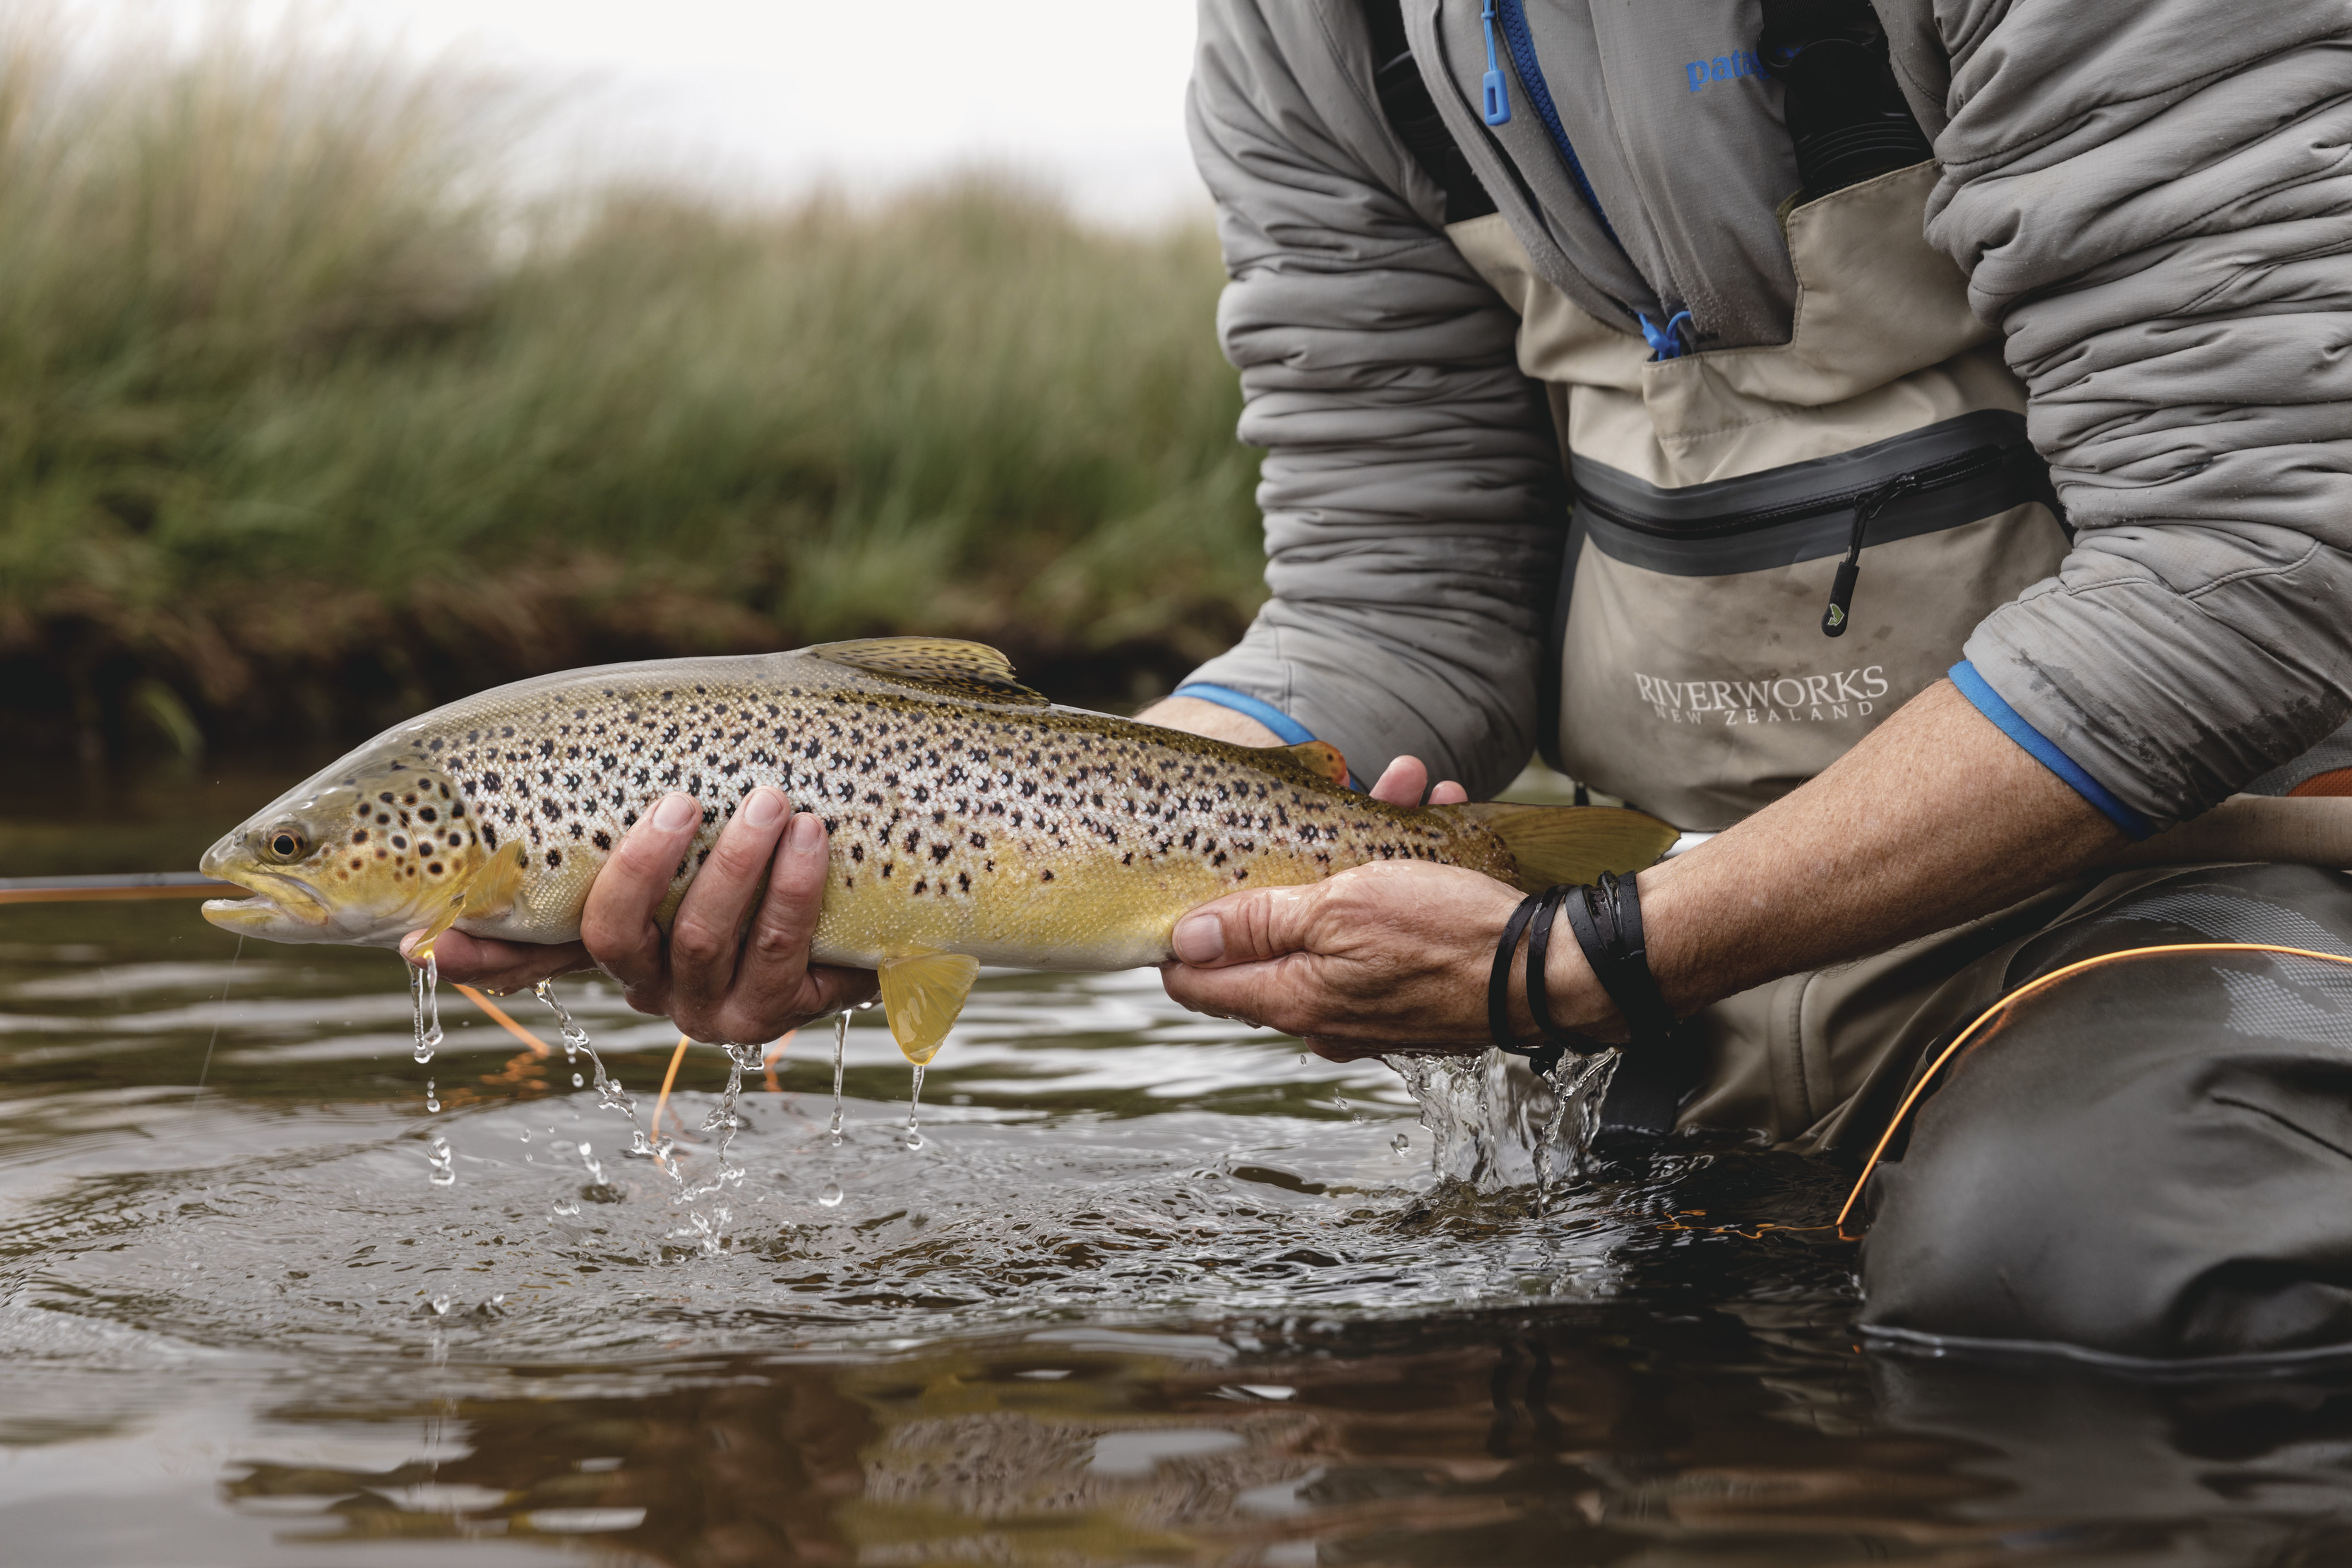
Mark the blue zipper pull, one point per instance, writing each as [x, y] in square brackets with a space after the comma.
[1665, 342]
[1498, 94]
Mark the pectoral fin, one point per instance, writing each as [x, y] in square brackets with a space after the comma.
[490, 890]
[1319, 757]
[921, 995]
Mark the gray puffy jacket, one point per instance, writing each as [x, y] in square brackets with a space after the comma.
[2149, 201]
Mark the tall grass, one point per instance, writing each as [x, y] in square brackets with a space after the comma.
[303, 424]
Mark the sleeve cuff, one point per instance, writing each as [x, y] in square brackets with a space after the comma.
[2012, 723]
[1291, 730]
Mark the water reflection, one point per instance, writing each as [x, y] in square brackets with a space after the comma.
[1621, 1438]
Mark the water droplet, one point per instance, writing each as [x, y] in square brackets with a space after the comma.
[1401, 1142]
[564, 1207]
[425, 1006]
[914, 1140]
[1303, 1058]
[500, 1300]
[443, 1160]
[440, 1306]
[914, 1104]
[432, 1100]
[831, 1195]
[576, 1081]
[840, 1046]
[526, 1134]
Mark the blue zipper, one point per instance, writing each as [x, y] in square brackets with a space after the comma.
[1665, 341]
[1499, 92]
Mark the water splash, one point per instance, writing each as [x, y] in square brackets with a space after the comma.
[443, 1161]
[425, 1006]
[831, 1195]
[724, 1121]
[915, 1103]
[610, 1094]
[1579, 1084]
[1494, 1125]
[840, 1049]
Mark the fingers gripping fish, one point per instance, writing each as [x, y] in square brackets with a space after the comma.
[970, 822]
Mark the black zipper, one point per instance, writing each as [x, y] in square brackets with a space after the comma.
[1940, 476]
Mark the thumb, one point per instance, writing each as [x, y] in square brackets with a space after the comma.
[1247, 927]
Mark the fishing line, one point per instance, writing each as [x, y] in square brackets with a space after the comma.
[2031, 988]
[227, 980]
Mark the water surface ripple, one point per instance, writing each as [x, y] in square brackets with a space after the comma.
[1153, 1290]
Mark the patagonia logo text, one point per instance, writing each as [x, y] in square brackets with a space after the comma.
[1787, 699]
[1736, 66]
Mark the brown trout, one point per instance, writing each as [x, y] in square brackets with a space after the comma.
[969, 821]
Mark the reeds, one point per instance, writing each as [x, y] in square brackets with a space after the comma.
[305, 422]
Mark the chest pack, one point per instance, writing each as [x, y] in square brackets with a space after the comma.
[1770, 546]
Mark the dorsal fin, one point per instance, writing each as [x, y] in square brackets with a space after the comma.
[937, 664]
[1319, 757]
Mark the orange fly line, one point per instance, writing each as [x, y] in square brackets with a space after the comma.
[2032, 988]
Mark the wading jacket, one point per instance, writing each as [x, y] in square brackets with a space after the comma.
[1566, 447]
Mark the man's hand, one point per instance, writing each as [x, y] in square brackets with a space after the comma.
[1935, 818]
[1380, 958]
[720, 978]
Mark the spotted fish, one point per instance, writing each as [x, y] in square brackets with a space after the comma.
[969, 821]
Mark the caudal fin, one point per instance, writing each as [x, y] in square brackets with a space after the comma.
[1556, 844]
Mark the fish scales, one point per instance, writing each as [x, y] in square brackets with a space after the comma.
[964, 815]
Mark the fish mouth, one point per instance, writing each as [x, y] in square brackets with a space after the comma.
[278, 900]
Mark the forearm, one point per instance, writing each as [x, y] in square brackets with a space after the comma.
[1935, 819]
[1194, 716]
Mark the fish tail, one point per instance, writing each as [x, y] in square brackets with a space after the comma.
[1554, 845]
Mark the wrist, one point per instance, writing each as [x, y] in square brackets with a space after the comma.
[1579, 1004]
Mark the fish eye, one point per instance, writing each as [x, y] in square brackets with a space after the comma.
[287, 843]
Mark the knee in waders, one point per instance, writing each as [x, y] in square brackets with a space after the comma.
[2149, 1158]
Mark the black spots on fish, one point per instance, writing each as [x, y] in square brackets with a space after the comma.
[1218, 859]
[1045, 876]
[1128, 859]
[920, 887]
[357, 863]
[940, 853]
[979, 841]
[491, 784]
[513, 815]
[427, 815]
[383, 853]
[360, 837]
[914, 840]
[506, 732]
[887, 866]
[398, 842]
[830, 824]
[857, 854]
[432, 869]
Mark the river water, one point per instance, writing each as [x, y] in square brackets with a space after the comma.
[1153, 1290]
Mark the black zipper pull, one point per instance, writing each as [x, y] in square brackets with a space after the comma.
[1849, 572]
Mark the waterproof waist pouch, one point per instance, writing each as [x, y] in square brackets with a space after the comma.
[1695, 676]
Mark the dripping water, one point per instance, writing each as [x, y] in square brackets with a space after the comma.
[424, 1005]
[610, 1094]
[840, 1046]
[914, 1104]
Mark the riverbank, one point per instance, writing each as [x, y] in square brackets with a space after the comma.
[304, 426]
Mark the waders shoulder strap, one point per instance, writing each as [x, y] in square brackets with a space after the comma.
[1413, 114]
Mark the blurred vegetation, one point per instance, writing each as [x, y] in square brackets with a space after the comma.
[304, 425]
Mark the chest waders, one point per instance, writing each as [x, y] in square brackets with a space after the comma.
[1769, 549]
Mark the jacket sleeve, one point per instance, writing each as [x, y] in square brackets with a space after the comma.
[2153, 199]
[1410, 483]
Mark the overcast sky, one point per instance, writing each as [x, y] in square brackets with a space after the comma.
[1085, 93]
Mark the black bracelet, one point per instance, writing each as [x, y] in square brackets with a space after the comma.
[1498, 984]
[1539, 981]
[1539, 908]
[1607, 920]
